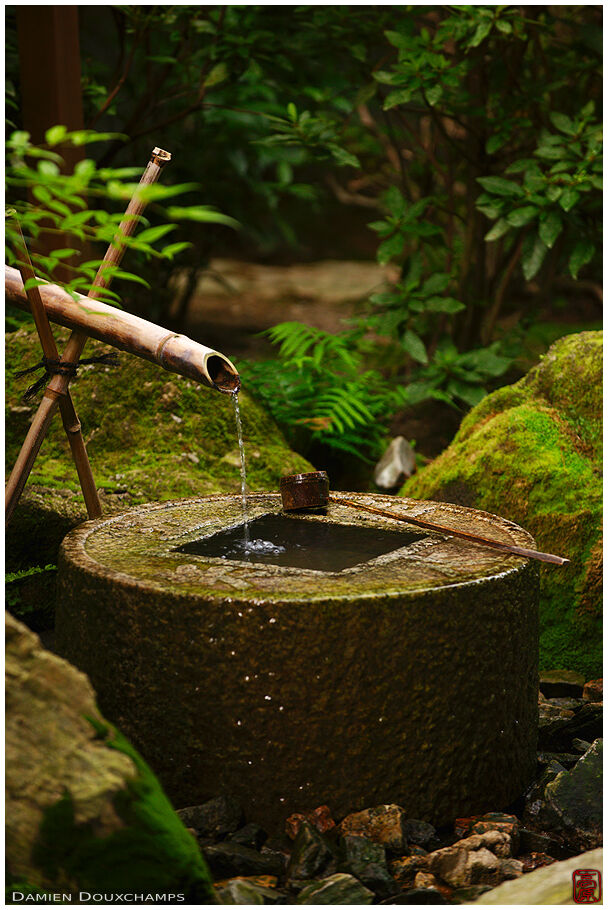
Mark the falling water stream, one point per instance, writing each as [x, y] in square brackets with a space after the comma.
[247, 546]
[239, 433]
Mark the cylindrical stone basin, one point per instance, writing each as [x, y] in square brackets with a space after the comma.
[389, 665]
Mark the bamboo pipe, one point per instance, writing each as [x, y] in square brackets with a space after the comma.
[175, 353]
[58, 386]
[71, 423]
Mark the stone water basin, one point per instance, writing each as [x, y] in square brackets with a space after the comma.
[404, 669]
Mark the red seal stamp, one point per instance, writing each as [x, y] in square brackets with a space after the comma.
[586, 886]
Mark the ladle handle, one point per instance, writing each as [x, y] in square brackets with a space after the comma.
[473, 538]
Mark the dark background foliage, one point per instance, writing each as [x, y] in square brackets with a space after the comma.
[461, 144]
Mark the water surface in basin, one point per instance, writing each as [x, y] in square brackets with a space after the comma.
[301, 543]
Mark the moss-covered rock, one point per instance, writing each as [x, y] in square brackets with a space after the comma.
[84, 811]
[151, 435]
[532, 453]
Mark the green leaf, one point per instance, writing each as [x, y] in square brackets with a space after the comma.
[533, 255]
[499, 186]
[581, 255]
[414, 346]
[501, 227]
[568, 199]
[128, 276]
[64, 253]
[344, 158]
[503, 26]
[33, 283]
[435, 284]
[390, 248]
[55, 135]
[434, 94]
[292, 112]
[202, 213]
[444, 305]
[365, 94]
[218, 74]
[495, 142]
[522, 216]
[550, 228]
[399, 96]
[551, 152]
[481, 32]
[394, 201]
[155, 233]
[471, 394]
[403, 42]
[563, 123]
[554, 192]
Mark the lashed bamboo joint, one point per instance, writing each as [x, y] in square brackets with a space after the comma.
[175, 353]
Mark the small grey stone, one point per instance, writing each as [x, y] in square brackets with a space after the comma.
[241, 891]
[419, 832]
[396, 465]
[367, 862]
[383, 824]
[227, 859]
[573, 800]
[336, 889]
[250, 835]
[214, 819]
[310, 856]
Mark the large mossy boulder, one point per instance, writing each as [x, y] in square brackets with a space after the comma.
[531, 452]
[83, 810]
[151, 435]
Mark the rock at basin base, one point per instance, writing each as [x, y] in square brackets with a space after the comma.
[336, 889]
[531, 452]
[384, 825]
[573, 800]
[84, 812]
[549, 885]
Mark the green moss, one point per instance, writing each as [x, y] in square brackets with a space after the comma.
[150, 433]
[531, 453]
[152, 854]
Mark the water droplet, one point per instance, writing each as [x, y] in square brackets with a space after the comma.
[267, 698]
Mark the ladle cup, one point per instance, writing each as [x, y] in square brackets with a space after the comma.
[310, 492]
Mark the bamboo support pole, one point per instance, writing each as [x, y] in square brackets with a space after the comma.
[71, 423]
[58, 385]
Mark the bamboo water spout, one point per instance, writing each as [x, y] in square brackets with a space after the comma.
[175, 353]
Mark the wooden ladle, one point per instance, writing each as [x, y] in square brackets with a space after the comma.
[310, 491]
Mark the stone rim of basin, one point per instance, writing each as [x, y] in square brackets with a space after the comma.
[139, 546]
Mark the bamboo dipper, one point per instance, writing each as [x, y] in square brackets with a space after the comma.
[311, 491]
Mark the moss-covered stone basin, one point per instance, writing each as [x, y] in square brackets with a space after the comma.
[410, 677]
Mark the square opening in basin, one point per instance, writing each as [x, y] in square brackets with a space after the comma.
[301, 543]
